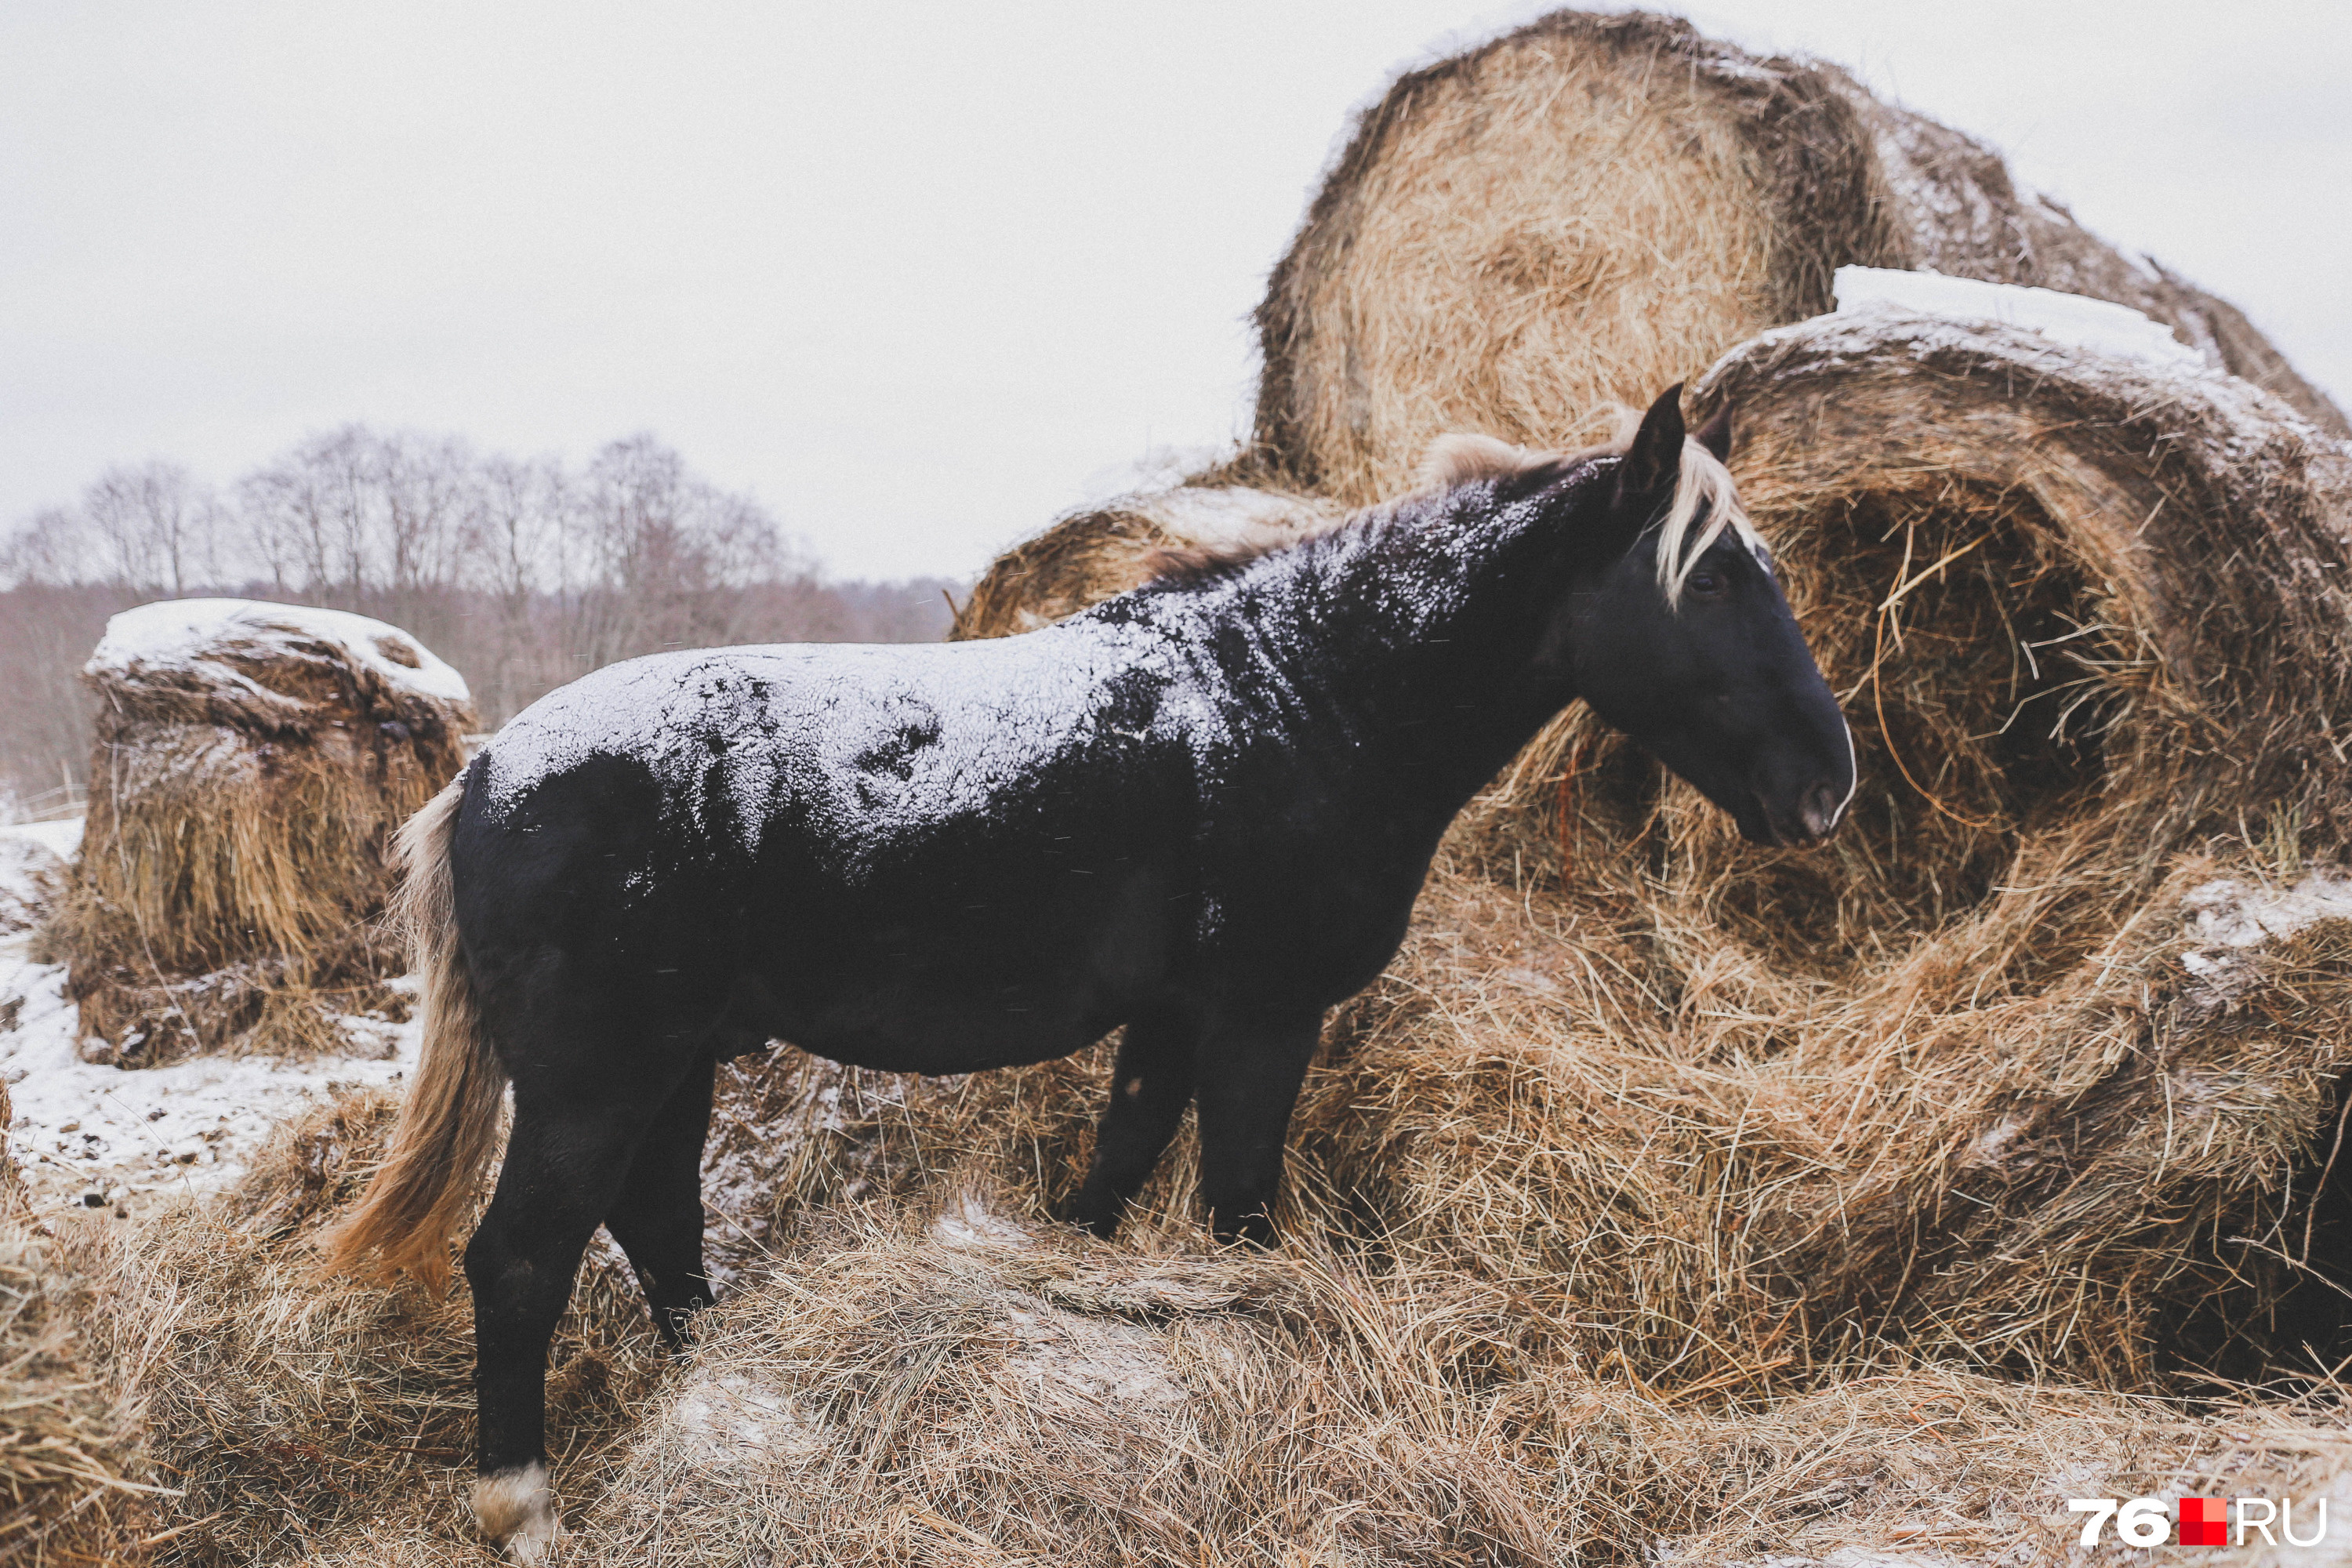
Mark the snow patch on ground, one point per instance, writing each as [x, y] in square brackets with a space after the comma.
[185, 634]
[33, 857]
[59, 839]
[2073, 320]
[2228, 917]
[130, 1137]
[967, 1223]
[724, 1417]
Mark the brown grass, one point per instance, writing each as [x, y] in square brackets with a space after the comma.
[942, 1378]
[1595, 208]
[236, 857]
[71, 1490]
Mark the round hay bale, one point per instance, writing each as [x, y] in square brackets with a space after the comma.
[1597, 206]
[1980, 1077]
[252, 762]
[1088, 555]
[2034, 1065]
[2080, 610]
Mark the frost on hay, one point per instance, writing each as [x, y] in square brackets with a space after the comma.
[1594, 207]
[251, 762]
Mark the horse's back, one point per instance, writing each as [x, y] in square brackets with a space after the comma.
[844, 846]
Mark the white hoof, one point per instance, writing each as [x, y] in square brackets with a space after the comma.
[517, 1512]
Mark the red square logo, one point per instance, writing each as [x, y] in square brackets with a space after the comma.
[2204, 1521]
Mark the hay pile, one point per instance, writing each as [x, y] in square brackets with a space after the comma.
[2015, 1073]
[936, 1383]
[69, 1485]
[251, 762]
[1597, 206]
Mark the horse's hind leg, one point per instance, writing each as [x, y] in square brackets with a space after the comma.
[1149, 1092]
[657, 1216]
[1249, 1081]
[565, 1160]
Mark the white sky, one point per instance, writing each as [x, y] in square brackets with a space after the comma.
[918, 275]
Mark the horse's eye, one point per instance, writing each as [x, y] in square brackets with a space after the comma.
[1708, 584]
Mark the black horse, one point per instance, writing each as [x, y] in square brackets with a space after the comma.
[1202, 810]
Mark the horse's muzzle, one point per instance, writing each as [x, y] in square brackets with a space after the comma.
[1814, 817]
[1818, 812]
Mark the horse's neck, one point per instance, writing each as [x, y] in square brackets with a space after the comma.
[1419, 653]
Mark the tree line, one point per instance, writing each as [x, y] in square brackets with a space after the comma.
[524, 572]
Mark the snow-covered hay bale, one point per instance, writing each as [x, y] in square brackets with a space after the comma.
[1093, 552]
[1595, 206]
[252, 762]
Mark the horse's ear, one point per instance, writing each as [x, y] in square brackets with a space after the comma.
[1654, 459]
[1716, 433]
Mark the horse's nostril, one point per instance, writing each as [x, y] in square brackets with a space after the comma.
[1819, 811]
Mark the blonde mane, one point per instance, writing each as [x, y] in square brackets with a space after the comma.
[1706, 502]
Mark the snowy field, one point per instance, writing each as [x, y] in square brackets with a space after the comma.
[100, 1137]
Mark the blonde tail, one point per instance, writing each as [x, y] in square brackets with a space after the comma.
[448, 1125]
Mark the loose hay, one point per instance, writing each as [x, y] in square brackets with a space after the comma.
[979, 1392]
[70, 1488]
[252, 760]
[1595, 206]
[326, 1421]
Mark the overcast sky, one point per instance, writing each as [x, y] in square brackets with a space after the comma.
[919, 276]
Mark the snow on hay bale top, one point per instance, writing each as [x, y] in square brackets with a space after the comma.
[1594, 207]
[271, 664]
[252, 762]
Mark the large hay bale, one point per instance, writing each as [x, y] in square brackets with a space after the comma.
[1597, 206]
[2035, 1065]
[252, 762]
[1093, 552]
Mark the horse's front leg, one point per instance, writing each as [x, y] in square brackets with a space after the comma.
[1249, 1078]
[1148, 1091]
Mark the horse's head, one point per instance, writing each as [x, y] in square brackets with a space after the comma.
[1675, 631]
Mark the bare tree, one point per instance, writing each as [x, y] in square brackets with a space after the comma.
[154, 527]
[523, 574]
[51, 549]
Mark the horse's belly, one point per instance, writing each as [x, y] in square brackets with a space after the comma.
[899, 1029]
[972, 990]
